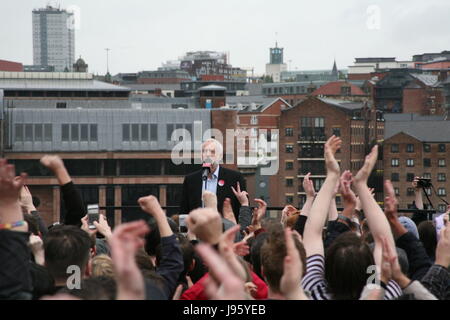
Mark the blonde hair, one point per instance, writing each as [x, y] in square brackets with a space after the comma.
[102, 265]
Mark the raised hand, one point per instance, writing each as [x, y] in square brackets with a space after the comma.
[345, 183]
[151, 205]
[290, 282]
[259, 213]
[103, 227]
[10, 185]
[206, 224]
[227, 211]
[308, 186]
[363, 174]
[287, 212]
[390, 201]
[331, 146]
[52, 162]
[26, 199]
[126, 239]
[209, 199]
[226, 246]
[231, 286]
[242, 196]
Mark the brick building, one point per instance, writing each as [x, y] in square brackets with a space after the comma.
[417, 146]
[304, 130]
[10, 66]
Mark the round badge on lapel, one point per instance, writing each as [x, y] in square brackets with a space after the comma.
[221, 183]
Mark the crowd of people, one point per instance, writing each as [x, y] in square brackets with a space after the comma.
[363, 252]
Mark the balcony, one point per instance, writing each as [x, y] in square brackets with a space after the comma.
[315, 154]
[315, 171]
[312, 138]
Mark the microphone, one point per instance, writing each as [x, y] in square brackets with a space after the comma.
[206, 167]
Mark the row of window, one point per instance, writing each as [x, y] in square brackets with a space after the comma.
[79, 132]
[410, 191]
[395, 162]
[139, 132]
[395, 148]
[441, 177]
[307, 131]
[33, 132]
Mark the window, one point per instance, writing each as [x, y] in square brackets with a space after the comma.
[441, 192]
[93, 132]
[427, 162]
[28, 132]
[428, 191]
[289, 182]
[153, 132]
[410, 192]
[426, 147]
[394, 148]
[289, 199]
[441, 177]
[74, 132]
[170, 128]
[125, 132]
[48, 134]
[410, 162]
[427, 175]
[289, 165]
[442, 207]
[135, 132]
[441, 147]
[409, 147]
[19, 132]
[65, 132]
[441, 162]
[410, 177]
[144, 132]
[289, 148]
[84, 132]
[289, 132]
[38, 132]
[336, 132]
[254, 120]
[394, 163]
[395, 176]
[397, 191]
[61, 105]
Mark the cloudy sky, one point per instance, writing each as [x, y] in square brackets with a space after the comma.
[144, 33]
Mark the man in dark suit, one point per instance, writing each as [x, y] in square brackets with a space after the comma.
[219, 181]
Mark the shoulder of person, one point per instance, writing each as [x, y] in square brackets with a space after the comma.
[193, 175]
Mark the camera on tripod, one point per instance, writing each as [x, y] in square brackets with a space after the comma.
[424, 183]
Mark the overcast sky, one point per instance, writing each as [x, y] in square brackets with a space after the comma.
[144, 33]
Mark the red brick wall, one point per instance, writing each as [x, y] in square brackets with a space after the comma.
[11, 66]
[414, 100]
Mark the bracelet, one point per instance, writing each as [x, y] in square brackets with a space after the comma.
[12, 225]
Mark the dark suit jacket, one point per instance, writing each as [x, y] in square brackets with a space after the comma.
[192, 190]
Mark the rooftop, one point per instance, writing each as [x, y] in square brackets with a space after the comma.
[334, 89]
[423, 128]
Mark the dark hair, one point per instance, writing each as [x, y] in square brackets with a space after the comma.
[65, 246]
[428, 236]
[346, 263]
[273, 252]
[153, 238]
[95, 288]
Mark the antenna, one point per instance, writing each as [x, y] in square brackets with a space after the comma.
[107, 60]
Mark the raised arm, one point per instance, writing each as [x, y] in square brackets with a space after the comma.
[72, 197]
[308, 186]
[378, 224]
[312, 237]
[418, 200]
[171, 264]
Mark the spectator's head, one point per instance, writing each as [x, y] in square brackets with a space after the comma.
[102, 265]
[427, 234]
[273, 253]
[255, 252]
[67, 246]
[95, 288]
[409, 225]
[212, 149]
[346, 263]
[153, 238]
[292, 220]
